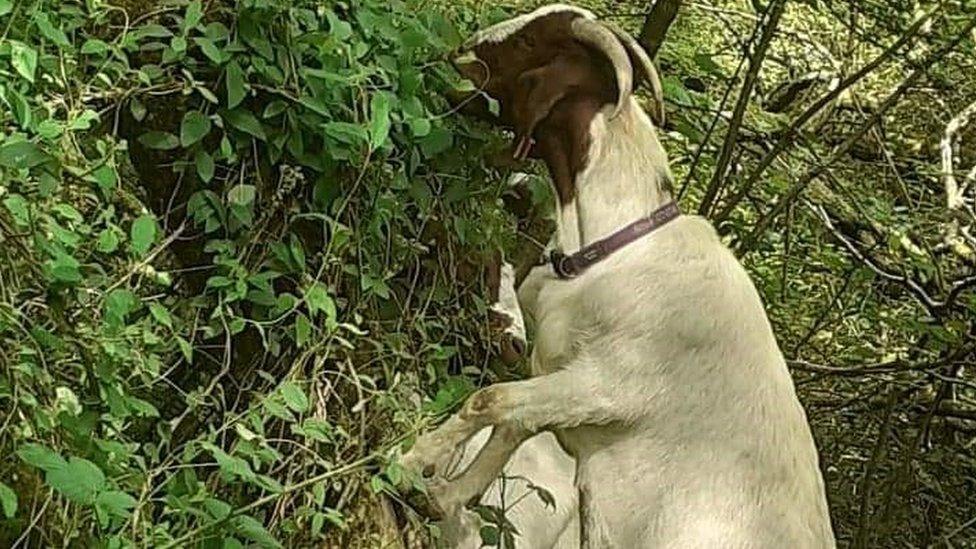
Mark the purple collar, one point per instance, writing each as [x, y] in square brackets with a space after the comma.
[570, 266]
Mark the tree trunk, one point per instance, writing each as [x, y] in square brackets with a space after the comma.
[657, 23]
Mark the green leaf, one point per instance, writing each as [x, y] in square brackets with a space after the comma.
[194, 127]
[436, 142]
[303, 330]
[8, 500]
[65, 268]
[80, 480]
[344, 132]
[20, 107]
[6, 6]
[24, 59]
[178, 44]
[250, 528]
[489, 535]
[143, 233]
[108, 241]
[317, 298]
[41, 457]
[294, 396]
[210, 50]
[246, 122]
[675, 88]
[118, 304]
[21, 155]
[106, 177]
[161, 141]
[235, 84]
[115, 503]
[419, 127]
[161, 314]
[205, 165]
[49, 31]
[217, 509]
[707, 64]
[274, 108]
[231, 466]
[83, 121]
[379, 119]
[93, 46]
[19, 209]
[138, 109]
[194, 14]
[242, 195]
[185, 349]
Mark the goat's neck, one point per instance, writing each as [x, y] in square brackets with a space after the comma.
[625, 177]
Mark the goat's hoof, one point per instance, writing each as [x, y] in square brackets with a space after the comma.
[433, 502]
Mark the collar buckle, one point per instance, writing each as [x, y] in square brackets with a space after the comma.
[562, 265]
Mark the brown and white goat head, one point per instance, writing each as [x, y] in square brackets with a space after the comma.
[551, 71]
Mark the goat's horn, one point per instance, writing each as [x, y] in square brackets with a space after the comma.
[599, 37]
[653, 80]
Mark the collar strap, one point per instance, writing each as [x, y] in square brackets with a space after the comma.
[570, 266]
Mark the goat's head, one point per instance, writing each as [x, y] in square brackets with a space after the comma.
[557, 64]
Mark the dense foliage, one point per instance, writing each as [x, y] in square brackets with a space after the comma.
[241, 248]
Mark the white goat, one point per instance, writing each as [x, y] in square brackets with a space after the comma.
[655, 364]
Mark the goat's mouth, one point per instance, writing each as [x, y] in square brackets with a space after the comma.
[475, 102]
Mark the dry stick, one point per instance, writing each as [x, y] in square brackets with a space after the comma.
[775, 11]
[750, 240]
[928, 302]
[904, 470]
[711, 127]
[867, 485]
[792, 131]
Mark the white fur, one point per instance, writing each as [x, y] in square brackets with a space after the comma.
[507, 304]
[500, 31]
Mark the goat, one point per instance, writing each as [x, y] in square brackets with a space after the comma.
[654, 362]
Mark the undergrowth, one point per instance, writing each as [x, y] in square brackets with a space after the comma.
[240, 245]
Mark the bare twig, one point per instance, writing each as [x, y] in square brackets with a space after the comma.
[775, 11]
[792, 131]
[954, 194]
[765, 221]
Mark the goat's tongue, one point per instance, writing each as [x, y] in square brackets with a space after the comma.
[523, 146]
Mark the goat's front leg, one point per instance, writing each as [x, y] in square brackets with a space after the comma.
[567, 398]
[505, 315]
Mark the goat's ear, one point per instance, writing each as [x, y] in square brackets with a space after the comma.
[538, 90]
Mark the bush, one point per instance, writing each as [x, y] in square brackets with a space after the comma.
[240, 242]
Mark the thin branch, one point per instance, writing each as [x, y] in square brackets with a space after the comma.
[930, 304]
[867, 484]
[954, 194]
[794, 128]
[775, 11]
[750, 240]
